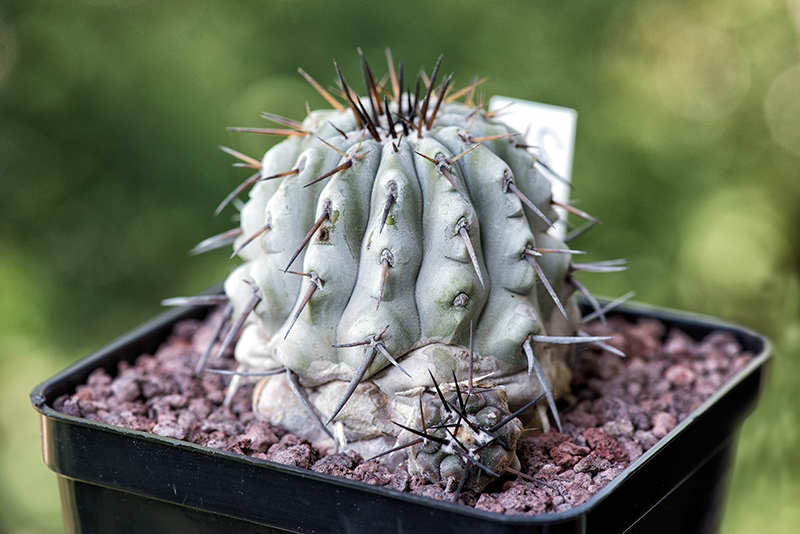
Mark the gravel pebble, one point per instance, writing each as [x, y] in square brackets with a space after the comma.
[681, 375]
[340, 464]
[591, 464]
[663, 422]
[170, 429]
[291, 450]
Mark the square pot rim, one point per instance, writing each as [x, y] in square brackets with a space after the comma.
[43, 395]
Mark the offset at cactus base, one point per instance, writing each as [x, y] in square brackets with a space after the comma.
[393, 243]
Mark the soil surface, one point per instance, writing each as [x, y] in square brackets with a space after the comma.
[618, 409]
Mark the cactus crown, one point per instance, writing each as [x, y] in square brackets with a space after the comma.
[382, 239]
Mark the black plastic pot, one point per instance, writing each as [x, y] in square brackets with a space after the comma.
[117, 480]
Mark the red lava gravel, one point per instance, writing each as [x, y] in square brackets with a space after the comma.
[618, 409]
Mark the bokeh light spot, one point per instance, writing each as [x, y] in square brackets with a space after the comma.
[737, 13]
[700, 72]
[782, 109]
[8, 51]
[732, 246]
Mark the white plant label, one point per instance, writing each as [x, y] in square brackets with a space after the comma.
[551, 130]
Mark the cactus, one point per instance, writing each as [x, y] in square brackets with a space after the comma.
[390, 248]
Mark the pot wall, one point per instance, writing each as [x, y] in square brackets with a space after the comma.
[109, 475]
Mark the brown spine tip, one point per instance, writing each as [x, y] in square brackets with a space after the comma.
[325, 94]
[373, 88]
[425, 103]
[495, 112]
[250, 239]
[326, 213]
[346, 90]
[468, 90]
[338, 151]
[401, 82]
[279, 175]
[373, 130]
[458, 157]
[346, 164]
[412, 111]
[316, 283]
[244, 185]
[249, 162]
[337, 129]
[407, 124]
[269, 131]
[493, 137]
[283, 120]
[389, 121]
[393, 75]
[469, 99]
[439, 101]
[369, 84]
[575, 211]
[218, 241]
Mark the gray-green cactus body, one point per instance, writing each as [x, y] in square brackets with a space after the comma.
[332, 261]
[396, 247]
[512, 312]
[448, 290]
[420, 234]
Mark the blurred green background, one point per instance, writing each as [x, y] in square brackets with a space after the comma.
[688, 149]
